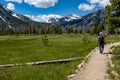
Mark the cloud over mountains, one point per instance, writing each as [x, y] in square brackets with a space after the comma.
[43, 18]
[11, 6]
[93, 3]
[37, 3]
[41, 3]
[85, 6]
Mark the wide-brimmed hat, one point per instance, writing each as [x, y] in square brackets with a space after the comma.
[100, 33]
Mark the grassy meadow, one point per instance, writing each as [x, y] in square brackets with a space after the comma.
[116, 61]
[29, 48]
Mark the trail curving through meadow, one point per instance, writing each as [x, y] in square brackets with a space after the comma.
[96, 66]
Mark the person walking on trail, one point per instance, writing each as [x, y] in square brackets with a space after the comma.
[101, 42]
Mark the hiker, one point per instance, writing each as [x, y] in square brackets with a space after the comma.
[101, 42]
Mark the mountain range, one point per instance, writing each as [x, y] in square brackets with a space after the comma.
[10, 19]
[77, 21]
[67, 18]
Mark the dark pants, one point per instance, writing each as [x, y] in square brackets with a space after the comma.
[101, 47]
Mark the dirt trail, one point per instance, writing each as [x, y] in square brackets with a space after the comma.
[96, 67]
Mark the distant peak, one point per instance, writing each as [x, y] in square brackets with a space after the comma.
[74, 15]
[2, 6]
[71, 17]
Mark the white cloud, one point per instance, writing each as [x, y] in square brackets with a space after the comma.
[41, 3]
[37, 3]
[19, 1]
[102, 3]
[85, 7]
[93, 4]
[11, 6]
[43, 18]
[94, 1]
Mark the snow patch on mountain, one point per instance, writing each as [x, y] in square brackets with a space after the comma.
[52, 20]
[64, 19]
[9, 26]
[2, 18]
[15, 15]
[71, 17]
[74, 16]
[6, 8]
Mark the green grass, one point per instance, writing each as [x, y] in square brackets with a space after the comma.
[41, 72]
[21, 49]
[116, 60]
[29, 48]
[112, 38]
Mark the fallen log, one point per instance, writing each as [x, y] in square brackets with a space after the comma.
[42, 62]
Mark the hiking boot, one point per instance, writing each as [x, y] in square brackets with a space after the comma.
[101, 52]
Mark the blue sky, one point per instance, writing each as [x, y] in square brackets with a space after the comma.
[40, 9]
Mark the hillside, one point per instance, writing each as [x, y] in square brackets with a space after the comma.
[11, 19]
[16, 23]
[78, 21]
[86, 20]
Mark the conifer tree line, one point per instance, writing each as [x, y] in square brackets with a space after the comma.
[43, 29]
[110, 23]
[52, 29]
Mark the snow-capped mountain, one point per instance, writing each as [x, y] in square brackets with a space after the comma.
[86, 20]
[10, 19]
[15, 15]
[71, 17]
[67, 18]
[53, 20]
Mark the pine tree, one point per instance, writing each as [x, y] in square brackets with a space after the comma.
[94, 29]
[113, 16]
[101, 27]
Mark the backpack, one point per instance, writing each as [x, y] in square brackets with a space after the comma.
[101, 39]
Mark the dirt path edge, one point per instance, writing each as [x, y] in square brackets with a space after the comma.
[80, 66]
